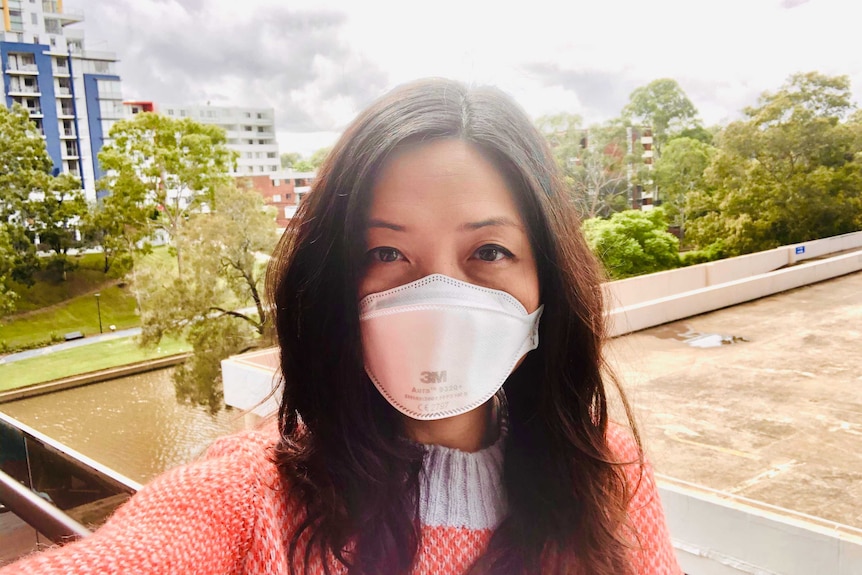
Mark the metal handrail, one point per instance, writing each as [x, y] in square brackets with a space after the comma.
[38, 513]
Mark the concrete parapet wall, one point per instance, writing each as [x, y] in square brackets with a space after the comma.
[628, 292]
[819, 248]
[640, 316]
[717, 534]
[732, 269]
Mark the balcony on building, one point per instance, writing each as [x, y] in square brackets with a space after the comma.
[14, 69]
[65, 111]
[67, 130]
[69, 151]
[53, 9]
[63, 89]
[61, 68]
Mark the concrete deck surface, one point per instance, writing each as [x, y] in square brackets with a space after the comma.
[775, 418]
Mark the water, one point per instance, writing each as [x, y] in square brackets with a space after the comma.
[694, 338]
[133, 424]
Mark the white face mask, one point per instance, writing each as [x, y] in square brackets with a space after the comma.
[439, 347]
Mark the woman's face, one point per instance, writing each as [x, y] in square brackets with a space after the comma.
[442, 207]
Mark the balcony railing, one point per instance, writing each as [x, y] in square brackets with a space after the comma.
[22, 68]
[36, 473]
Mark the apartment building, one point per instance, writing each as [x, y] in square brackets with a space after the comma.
[283, 191]
[73, 94]
[250, 133]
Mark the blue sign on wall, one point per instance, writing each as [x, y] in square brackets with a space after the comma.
[800, 250]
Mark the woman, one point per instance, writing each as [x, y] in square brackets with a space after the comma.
[436, 260]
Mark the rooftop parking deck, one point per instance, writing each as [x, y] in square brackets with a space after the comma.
[774, 414]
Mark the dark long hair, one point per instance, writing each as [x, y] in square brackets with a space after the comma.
[341, 452]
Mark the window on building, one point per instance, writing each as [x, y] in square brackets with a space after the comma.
[247, 128]
[34, 18]
[182, 113]
[260, 116]
[276, 183]
[273, 168]
[170, 112]
[261, 142]
[276, 198]
[270, 154]
[261, 129]
[250, 142]
[248, 114]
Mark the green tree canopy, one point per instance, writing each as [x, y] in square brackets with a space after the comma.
[171, 166]
[633, 242]
[679, 173]
[663, 106]
[226, 250]
[790, 172]
[37, 209]
[289, 159]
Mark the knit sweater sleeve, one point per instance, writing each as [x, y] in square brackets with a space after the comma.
[652, 552]
[197, 518]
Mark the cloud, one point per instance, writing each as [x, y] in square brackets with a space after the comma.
[249, 54]
[601, 94]
[788, 4]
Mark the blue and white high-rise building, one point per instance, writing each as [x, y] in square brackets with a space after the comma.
[73, 94]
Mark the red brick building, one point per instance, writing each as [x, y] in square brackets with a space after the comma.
[283, 191]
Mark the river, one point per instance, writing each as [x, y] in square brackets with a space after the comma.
[133, 424]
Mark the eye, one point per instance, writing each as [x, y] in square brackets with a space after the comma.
[492, 253]
[384, 254]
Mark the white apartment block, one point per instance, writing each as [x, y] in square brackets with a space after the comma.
[250, 133]
[73, 94]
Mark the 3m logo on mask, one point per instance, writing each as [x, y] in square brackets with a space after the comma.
[433, 376]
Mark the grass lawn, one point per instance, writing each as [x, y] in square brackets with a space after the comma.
[83, 359]
[77, 314]
[52, 308]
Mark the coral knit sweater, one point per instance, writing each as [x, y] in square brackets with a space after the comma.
[229, 513]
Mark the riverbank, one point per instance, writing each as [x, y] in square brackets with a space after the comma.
[84, 360]
[92, 377]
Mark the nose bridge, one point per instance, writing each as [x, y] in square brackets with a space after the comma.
[441, 256]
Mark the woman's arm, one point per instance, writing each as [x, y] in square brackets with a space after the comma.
[197, 518]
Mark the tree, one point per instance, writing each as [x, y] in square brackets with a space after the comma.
[37, 209]
[288, 159]
[679, 173]
[319, 156]
[633, 242]
[173, 166]
[594, 162]
[662, 106]
[790, 172]
[7, 256]
[224, 253]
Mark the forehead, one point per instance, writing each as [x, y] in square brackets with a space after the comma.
[448, 178]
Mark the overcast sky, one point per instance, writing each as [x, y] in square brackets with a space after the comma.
[319, 62]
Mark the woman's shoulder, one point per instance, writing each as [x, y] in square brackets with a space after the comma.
[250, 444]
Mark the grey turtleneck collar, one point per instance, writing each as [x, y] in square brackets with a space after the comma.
[460, 489]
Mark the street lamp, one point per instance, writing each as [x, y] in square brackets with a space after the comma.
[99, 309]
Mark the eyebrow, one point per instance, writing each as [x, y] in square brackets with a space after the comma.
[375, 223]
[501, 221]
[468, 227]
